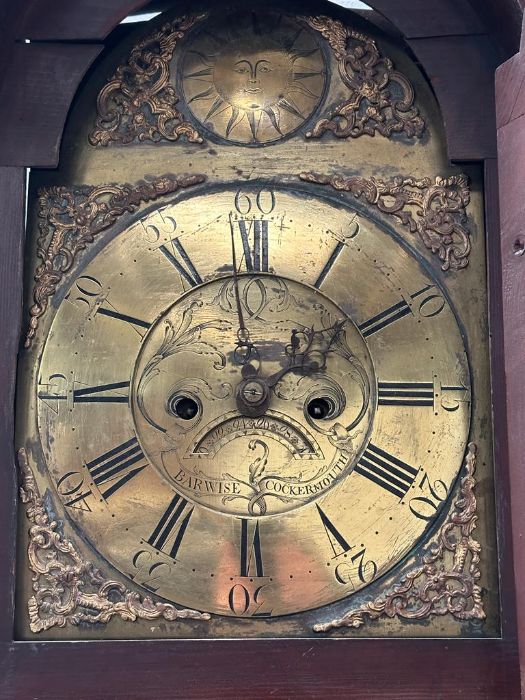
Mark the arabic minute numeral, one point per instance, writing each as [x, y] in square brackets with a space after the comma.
[434, 493]
[89, 294]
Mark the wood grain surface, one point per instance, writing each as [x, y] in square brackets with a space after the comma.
[511, 157]
[12, 186]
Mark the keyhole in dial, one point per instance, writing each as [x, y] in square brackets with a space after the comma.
[320, 408]
[184, 407]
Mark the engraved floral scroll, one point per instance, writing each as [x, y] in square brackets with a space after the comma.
[435, 210]
[139, 103]
[69, 590]
[447, 580]
[380, 98]
[70, 218]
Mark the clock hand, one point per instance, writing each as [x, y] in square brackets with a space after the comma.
[245, 349]
[253, 392]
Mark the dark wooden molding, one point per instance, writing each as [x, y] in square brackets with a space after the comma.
[511, 160]
[256, 670]
[63, 20]
[461, 70]
[12, 194]
[444, 18]
[35, 97]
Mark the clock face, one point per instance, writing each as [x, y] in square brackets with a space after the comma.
[254, 401]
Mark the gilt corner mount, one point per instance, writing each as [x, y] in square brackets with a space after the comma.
[446, 582]
[70, 218]
[139, 103]
[69, 589]
[380, 99]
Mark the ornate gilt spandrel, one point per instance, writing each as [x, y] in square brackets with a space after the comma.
[71, 218]
[139, 103]
[447, 579]
[380, 99]
[435, 210]
[67, 588]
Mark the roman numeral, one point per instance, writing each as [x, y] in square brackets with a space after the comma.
[92, 394]
[386, 471]
[113, 313]
[119, 466]
[385, 318]
[111, 471]
[430, 305]
[172, 527]
[256, 253]
[179, 258]
[330, 263]
[405, 393]
[337, 541]
[250, 552]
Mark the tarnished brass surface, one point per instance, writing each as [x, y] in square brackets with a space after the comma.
[234, 505]
[68, 590]
[249, 507]
[446, 582]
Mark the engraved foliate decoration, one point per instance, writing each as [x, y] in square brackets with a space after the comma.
[70, 590]
[289, 460]
[253, 78]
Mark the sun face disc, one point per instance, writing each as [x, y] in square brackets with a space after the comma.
[253, 79]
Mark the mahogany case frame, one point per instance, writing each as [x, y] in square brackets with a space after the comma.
[459, 43]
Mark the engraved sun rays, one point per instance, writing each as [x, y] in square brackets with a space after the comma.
[254, 81]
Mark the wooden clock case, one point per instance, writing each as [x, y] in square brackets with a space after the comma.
[459, 45]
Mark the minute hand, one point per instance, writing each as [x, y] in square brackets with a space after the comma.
[245, 350]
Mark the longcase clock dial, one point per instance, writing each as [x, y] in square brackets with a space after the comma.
[254, 401]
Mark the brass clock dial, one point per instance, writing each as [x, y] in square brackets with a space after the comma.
[257, 439]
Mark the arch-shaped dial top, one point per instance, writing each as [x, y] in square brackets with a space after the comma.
[256, 441]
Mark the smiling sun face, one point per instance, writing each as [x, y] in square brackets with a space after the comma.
[255, 79]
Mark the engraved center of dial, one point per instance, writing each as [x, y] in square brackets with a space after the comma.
[251, 439]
